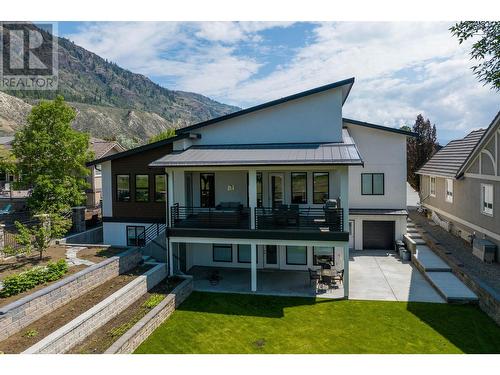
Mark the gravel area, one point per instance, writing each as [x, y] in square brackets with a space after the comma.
[461, 251]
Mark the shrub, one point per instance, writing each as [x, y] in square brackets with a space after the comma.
[153, 301]
[23, 281]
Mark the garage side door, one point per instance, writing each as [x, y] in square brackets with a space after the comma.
[378, 235]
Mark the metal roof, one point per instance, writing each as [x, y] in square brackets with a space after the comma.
[448, 161]
[345, 153]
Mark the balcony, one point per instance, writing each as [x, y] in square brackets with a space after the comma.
[285, 220]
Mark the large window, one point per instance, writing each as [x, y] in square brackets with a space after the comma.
[136, 235]
[222, 253]
[487, 199]
[432, 186]
[142, 188]
[296, 255]
[323, 255]
[245, 254]
[320, 187]
[299, 187]
[372, 183]
[260, 196]
[160, 188]
[449, 190]
[207, 190]
[123, 188]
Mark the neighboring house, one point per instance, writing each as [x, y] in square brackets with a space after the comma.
[461, 184]
[248, 190]
[100, 147]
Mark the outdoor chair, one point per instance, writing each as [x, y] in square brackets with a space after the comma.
[339, 276]
[313, 276]
[214, 278]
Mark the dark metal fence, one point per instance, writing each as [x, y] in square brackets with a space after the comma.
[11, 231]
[205, 217]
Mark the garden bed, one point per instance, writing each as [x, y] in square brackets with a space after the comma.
[41, 328]
[97, 254]
[105, 336]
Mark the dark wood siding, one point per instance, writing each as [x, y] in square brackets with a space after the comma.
[138, 164]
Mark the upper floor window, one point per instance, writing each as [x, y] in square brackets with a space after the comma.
[487, 199]
[449, 190]
[299, 187]
[123, 188]
[372, 183]
[432, 186]
[207, 190]
[98, 170]
[160, 188]
[142, 188]
[320, 187]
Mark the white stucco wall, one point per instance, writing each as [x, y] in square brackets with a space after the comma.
[314, 118]
[116, 233]
[382, 152]
[107, 189]
[399, 229]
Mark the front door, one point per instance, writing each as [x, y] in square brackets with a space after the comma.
[271, 255]
[277, 189]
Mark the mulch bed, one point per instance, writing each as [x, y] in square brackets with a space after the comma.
[22, 263]
[44, 326]
[98, 254]
[105, 336]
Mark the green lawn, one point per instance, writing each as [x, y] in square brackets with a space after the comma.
[233, 323]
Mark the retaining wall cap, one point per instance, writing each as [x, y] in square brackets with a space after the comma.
[4, 310]
[80, 233]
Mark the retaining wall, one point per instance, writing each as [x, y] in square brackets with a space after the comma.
[79, 328]
[127, 343]
[91, 236]
[19, 314]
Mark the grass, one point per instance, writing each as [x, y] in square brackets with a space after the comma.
[237, 323]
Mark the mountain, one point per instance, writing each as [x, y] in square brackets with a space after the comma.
[110, 100]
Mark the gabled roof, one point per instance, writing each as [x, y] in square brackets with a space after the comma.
[339, 153]
[379, 127]
[346, 82]
[102, 147]
[448, 161]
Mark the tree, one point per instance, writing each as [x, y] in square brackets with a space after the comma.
[420, 149]
[51, 158]
[169, 133]
[485, 50]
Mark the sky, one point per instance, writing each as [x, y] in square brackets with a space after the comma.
[401, 68]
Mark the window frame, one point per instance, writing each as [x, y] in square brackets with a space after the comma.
[294, 264]
[227, 246]
[432, 181]
[202, 190]
[333, 254]
[372, 178]
[483, 201]
[448, 197]
[135, 230]
[327, 186]
[147, 189]
[250, 261]
[117, 196]
[291, 187]
[98, 170]
[156, 191]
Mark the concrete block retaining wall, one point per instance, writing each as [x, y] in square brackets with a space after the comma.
[79, 328]
[26, 310]
[91, 236]
[127, 343]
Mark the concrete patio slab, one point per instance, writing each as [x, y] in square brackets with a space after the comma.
[429, 260]
[451, 288]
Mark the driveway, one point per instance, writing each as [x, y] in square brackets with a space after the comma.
[380, 275]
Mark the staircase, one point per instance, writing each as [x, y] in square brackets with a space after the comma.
[154, 247]
[435, 269]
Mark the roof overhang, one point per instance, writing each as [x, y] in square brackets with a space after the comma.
[379, 127]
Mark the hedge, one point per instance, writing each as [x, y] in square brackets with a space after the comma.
[23, 281]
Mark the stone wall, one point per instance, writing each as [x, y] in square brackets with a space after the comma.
[26, 310]
[141, 330]
[79, 328]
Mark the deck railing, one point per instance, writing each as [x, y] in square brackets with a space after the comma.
[266, 218]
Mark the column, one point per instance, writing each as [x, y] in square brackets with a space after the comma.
[344, 202]
[253, 258]
[346, 271]
[170, 192]
[252, 195]
[170, 257]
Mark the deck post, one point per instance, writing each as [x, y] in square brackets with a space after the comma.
[346, 271]
[252, 195]
[170, 257]
[253, 257]
[344, 202]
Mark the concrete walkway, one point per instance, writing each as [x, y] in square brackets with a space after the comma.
[72, 256]
[380, 275]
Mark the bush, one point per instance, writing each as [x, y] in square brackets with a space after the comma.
[23, 281]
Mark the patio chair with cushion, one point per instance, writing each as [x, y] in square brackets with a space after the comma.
[313, 276]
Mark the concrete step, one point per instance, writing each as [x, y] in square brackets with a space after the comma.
[451, 288]
[428, 261]
[414, 235]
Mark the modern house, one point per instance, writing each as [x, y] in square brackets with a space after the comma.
[284, 185]
[461, 185]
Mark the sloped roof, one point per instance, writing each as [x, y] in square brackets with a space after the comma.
[448, 161]
[345, 153]
[102, 147]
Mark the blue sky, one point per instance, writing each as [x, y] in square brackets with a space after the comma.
[401, 68]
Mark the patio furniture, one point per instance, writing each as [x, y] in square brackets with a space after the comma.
[214, 278]
[313, 276]
[339, 276]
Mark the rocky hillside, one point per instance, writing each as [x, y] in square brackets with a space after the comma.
[111, 100]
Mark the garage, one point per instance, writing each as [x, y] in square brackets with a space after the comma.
[378, 235]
